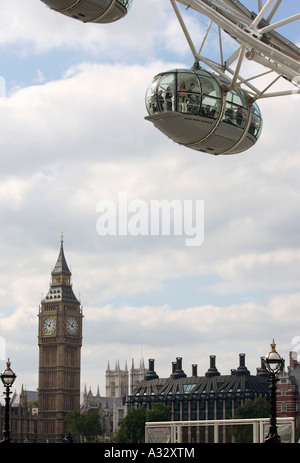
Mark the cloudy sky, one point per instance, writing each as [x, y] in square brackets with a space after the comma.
[73, 135]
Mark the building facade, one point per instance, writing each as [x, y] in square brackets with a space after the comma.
[288, 390]
[209, 397]
[24, 416]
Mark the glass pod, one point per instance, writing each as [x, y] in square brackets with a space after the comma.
[195, 109]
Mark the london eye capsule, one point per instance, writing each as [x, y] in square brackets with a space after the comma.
[95, 11]
[196, 108]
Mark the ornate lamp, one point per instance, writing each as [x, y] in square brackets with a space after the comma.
[273, 363]
[273, 360]
[7, 377]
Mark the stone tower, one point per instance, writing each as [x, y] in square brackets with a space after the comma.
[116, 381]
[59, 340]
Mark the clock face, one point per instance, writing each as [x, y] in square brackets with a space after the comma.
[49, 325]
[72, 325]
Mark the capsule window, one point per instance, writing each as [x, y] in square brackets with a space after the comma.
[166, 93]
[188, 93]
[256, 121]
[181, 94]
[210, 107]
[236, 110]
[126, 3]
[198, 94]
[211, 99]
[151, 100]
[193, 97]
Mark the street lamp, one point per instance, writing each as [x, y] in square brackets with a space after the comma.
[273, 363]
[7, 377]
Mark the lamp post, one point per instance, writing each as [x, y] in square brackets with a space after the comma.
[7, 377]
[273, 363]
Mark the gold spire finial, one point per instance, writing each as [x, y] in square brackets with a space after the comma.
[61, 237]
[273, 345]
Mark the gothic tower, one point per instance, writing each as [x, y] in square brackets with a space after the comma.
[60, 340]
[121, 382]
[116, 381]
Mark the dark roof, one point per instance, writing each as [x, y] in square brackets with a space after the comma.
[60, 293]
[221, 385]
[212, 384]
[61, 265]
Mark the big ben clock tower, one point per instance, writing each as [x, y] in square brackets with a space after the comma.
[60, 340]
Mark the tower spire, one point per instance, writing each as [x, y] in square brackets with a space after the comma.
[61, 266]
[60, 286]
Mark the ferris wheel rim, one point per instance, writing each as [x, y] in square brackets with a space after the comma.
[257, 39]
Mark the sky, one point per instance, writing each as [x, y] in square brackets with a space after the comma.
[73, 136]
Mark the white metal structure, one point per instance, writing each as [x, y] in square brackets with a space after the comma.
[256, 38]
[216, 431]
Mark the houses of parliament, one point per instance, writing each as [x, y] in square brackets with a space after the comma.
[40, 416]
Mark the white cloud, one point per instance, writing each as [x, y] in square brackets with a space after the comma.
[34, 28]
[82, 142]
[270, 270]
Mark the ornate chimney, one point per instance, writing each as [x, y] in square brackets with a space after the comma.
[212, 371]
[151, 373]
[177, 371]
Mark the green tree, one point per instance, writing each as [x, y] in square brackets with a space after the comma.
[159, 412]
[132, 427]
[85, 424]
[257, 408]
[34, 403]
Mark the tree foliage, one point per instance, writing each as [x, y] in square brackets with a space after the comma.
[86, 425]
[257, 408]
[132, 427]
[159, 412]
